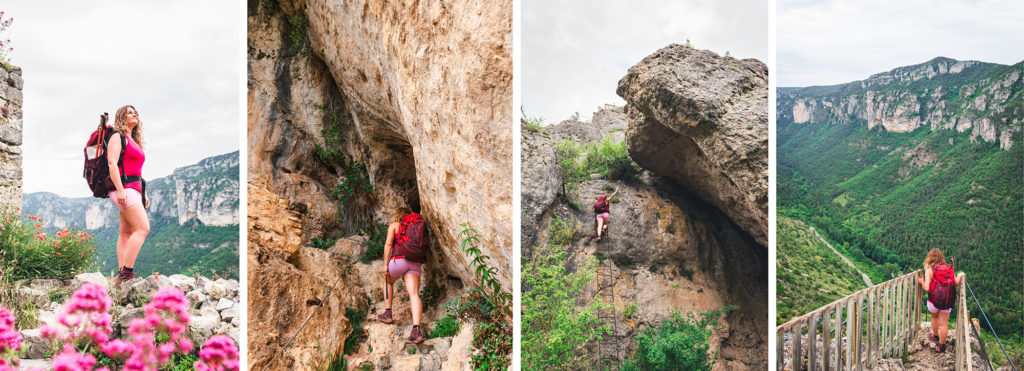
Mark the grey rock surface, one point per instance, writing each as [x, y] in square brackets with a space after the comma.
[702, 120]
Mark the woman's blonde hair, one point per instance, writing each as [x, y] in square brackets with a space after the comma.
[121, 124]
[399, 213]
[934, 256]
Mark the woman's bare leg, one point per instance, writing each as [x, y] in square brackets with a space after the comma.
[600, 227]
[391, 291]
[943, 327]
[125, 231]
[412, 285]
[935, 324]
[136, 217]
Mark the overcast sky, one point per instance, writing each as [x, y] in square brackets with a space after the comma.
[575, 52]
[177, 62]
[826, 42]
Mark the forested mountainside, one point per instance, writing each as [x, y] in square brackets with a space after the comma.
[920, 157]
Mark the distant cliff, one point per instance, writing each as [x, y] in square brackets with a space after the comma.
[206, 191]
[943, 93]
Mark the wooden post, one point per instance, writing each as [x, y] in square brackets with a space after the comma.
[872, 333]
[839, 336]
[796, 362]
[780, 344]
[812, 340]
[826, 338]
[860, 331]
[851, 323]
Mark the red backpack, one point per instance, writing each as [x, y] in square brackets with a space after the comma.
[96, 171]
[601, 206]
[413, 238]
[942, 290]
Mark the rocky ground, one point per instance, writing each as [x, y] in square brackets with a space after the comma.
[214, 307]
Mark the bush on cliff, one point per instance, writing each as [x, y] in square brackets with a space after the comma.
[32, 254]
[556, 331]
[679, 343]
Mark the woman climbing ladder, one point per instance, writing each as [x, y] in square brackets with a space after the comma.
[601, 209]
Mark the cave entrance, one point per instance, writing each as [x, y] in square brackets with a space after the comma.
[395, 173]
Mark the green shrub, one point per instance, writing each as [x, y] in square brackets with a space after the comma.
[430, 294]
[679, 343]
[492, 337]
[605, 157]
[562, 230]
[376, 236]
[445, 327]
[322, 244]
[32, 254]
[533, 124]
[556, 331]
[358, 335]
[630, 310]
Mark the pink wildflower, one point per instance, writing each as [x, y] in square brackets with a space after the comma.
[219, 354]
[71, 360]
[9, 338]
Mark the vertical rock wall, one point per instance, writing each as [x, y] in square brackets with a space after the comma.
[10, 133]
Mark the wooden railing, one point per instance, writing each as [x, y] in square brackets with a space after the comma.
[963, 335]
[855, 331]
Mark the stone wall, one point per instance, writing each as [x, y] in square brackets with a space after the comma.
[10, 134]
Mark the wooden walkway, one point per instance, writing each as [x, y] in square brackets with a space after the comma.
[854, 332]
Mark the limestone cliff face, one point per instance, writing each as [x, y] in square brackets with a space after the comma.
[702, 120]
[941, 94]
[669, 250]
[11, 84]
[206, 191]
[419, 93]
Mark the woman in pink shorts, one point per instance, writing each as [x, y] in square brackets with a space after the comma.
[396, 267]
[601, 212]
[940, 317]
[129, 195]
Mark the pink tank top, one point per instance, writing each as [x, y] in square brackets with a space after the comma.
[131, 163]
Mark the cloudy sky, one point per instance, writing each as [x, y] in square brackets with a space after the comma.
[177, 62]
[575, 52]
[825, 42]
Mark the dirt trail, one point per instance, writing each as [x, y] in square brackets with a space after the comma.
[867, 281]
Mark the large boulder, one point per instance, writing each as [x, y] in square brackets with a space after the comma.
[702, 120]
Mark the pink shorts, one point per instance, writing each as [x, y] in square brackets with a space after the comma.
[133, 197]
[932, 309]
[603, 216]
[398, 267]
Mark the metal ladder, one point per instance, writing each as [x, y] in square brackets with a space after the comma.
[608, 347]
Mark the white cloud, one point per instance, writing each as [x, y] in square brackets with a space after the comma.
[177, 62]
[837, 41]
[575, 52]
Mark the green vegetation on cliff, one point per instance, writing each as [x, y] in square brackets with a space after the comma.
[809, 274]
[171, 248]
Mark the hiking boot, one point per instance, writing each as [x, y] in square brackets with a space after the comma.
[941, 348]
[123, 275]
[414, 336]
[385, 317]
[933, 338]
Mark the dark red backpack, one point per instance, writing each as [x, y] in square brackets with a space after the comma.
[601, 206]
[413, 238]
[942, 290]
[96, 171]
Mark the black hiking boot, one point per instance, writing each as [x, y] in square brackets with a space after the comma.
[933, 338]
[414, 336]
[386, 316]
[941, 348]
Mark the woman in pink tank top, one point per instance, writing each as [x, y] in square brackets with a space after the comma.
[128, 197]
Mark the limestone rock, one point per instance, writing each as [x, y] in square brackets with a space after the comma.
[183, 282]
[668, 250]
[702, 120]
[459, 356]
[33, 344]
[93, 277]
